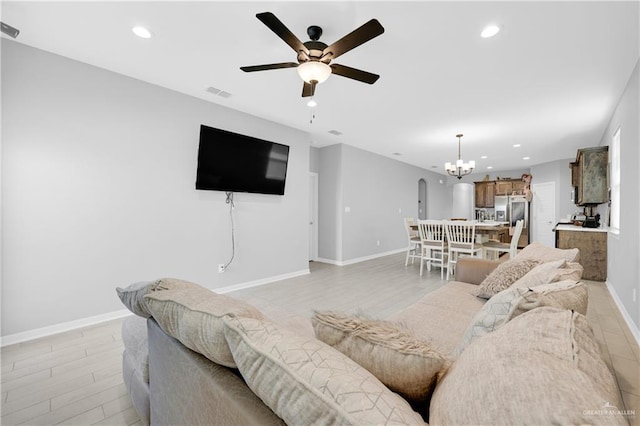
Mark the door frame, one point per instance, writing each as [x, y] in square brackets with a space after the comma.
[313, 216]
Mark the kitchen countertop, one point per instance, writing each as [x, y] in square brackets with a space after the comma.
[569, 227]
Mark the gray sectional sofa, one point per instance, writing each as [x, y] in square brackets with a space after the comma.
[525, 355]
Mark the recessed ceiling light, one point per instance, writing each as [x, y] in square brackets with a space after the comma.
[483, 157]
[517, 145]
[489, 31]
[525, 158]
[141, 32]
[312, 103]
[489, 167]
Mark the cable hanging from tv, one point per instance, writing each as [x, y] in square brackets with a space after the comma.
[233, 231]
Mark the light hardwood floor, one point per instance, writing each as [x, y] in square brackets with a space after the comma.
[75, 378]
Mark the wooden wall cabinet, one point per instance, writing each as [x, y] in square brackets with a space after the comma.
[485, 193]
[589, 175]
[510, 187]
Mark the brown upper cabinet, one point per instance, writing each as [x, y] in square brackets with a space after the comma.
[509, 187]
[589, 176]
[485, 193]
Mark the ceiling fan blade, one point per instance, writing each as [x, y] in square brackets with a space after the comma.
[275, 25]
[308, 89]
[353, 73]
[266, 67]
[355, 38]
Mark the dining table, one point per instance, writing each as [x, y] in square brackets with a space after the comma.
[494, 231]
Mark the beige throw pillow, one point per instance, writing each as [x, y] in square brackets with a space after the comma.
[504, 275]
[305, 381]
[541, 368]
[404, 363]
[193, 315]
[545, 273]
[510, 303]
[538, 251]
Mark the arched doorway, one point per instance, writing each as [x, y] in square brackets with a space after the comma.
[422, 199]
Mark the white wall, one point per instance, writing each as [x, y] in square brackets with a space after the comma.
[623, 257]
[98, 174]
[379, 193]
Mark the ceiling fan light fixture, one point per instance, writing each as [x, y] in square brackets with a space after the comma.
[314, 71]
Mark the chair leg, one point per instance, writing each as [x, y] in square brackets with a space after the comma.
[406, 260]
[421, 261]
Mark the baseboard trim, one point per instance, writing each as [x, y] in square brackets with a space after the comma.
[263, 281]
[361, 259]
[625, 314]
[37, 333]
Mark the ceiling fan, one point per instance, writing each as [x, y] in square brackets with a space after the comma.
[314, 56]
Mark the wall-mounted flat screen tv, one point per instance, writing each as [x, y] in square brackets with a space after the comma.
[232, 162]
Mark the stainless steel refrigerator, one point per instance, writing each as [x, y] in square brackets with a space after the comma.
[511, 208]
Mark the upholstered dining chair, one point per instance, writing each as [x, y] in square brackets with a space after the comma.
[461, 237]
[494, 248]
[413, 238]
[434, 245]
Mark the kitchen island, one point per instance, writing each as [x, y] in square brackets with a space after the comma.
[592, 243]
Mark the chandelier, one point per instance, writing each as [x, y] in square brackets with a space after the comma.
[460, 168]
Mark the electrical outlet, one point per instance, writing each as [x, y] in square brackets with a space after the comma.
[221, 268]
[378, 242]
[634, 295]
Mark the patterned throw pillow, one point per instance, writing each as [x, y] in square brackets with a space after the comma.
[404, 363]
[510, 303]
[305, 381]
[504, 275]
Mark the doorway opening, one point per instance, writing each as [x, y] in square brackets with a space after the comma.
[422, 199]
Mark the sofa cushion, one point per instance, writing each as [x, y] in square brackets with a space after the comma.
[501, 379]
[305, 381]
[514, 301]
[442, 316]
[504, 275]
[404, 363]
[193, 315]
[548, 272]
[537, 250]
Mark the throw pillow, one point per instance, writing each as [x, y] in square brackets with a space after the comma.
[305, 381]
[510, 303]
[541, 368]
[537, 250]
[545, 273]
[404, 363]
[504, 275]
[132, 297]
[193, 315]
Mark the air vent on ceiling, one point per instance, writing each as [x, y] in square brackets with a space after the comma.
[218, 92]
[335, 132]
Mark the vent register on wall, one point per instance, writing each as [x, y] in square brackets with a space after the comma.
[232, 162]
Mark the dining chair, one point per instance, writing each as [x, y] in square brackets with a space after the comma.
[495, 248]
[461, 238]
[434, 246]
[413, 238]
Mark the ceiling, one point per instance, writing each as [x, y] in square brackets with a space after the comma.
[548, 81]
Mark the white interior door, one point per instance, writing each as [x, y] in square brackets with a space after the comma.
[313, 216]
[544, 213]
